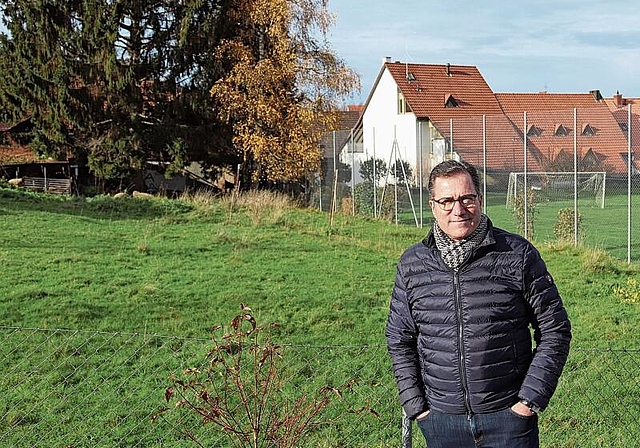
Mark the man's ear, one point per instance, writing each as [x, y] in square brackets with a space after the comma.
[432, 205]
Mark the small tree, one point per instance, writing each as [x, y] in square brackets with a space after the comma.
[240, 390]
[363, 195]
[564, 226]
[344, 172]
[367, 169]
[402, 171]
[519, 212]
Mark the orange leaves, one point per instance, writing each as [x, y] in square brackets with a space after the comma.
[282, 82]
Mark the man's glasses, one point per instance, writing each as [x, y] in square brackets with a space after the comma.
[447, 204]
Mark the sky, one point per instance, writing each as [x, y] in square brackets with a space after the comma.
[561, 46]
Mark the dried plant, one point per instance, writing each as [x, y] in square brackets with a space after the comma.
[240, 390]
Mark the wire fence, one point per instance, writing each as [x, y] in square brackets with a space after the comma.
[583, 160]
[63, 388]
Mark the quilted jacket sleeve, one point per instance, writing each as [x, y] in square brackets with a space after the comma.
[552, 331]
[402, 337]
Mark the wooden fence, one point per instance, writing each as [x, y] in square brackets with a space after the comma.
[55, 186]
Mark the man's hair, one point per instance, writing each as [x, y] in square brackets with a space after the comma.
[451, 167]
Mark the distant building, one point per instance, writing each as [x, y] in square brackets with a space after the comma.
[426, 113]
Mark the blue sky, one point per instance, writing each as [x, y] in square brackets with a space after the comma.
[558, 46]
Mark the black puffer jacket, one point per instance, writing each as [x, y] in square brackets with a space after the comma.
[460, 341]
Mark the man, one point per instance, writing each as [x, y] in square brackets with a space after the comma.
[458, 327]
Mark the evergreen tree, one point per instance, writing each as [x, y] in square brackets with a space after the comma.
[113, 83]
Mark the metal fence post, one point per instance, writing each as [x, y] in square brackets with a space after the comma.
[406, 431]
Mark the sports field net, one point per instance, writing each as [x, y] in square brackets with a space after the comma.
[557, 186]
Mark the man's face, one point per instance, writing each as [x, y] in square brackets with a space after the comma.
[458, 193]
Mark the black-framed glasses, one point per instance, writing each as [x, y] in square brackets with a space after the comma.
[447, 204]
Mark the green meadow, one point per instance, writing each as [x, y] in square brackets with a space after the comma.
[85, 278]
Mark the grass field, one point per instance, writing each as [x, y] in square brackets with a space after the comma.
[604, 228]
[175, 268]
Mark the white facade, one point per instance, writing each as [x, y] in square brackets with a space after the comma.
[390, 132]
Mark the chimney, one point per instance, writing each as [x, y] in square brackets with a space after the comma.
[448, 69]
[617, 99]
[596, 95]
[386, 60]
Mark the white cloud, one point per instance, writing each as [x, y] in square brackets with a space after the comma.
[563, 44]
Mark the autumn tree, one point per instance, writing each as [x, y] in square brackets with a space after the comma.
[116, 83]
[283, 84]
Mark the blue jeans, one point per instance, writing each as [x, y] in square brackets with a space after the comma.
[502, 429]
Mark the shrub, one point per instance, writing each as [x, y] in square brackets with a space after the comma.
[629, 294]
[363, 195]
[240, 390]
[367, 169]
[564, 226]
[519, 213]
[365, 204]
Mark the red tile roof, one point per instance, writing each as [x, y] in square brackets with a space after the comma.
[519, 102]
[619, 109]
[503, 143]
[16, 155]
[426, 88]
[551, 113]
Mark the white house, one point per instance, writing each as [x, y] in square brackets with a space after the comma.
[410, 112]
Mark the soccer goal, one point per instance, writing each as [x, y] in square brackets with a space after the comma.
[557, 186]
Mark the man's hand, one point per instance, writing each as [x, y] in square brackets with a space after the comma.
[423, 415]
[522, 409]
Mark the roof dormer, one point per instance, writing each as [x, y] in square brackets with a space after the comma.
[450, 101]
[588, 130]
[534, 131]
[560, 131]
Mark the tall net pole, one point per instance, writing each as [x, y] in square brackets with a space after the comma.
[575, 177]
[526, 196]
[630, 170]
[353, 175]
[375, 178]
[484, 164]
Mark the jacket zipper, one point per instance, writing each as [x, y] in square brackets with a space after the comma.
[461, 350]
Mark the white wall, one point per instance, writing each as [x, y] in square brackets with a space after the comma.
[382, 119]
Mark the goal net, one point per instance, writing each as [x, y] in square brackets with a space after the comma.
[556, 186]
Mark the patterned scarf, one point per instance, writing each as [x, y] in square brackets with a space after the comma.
[454, 253]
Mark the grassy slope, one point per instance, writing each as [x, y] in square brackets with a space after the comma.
[175, 268]
[83, 266]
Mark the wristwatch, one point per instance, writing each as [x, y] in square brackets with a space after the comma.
[530, 405]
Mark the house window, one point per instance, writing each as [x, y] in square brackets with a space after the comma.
[560, 131]
[450, 101]
[403, 106]
[587, 130]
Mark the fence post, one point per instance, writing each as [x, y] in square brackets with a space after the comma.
[406, 431]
